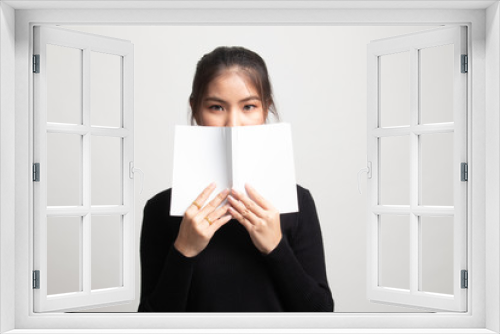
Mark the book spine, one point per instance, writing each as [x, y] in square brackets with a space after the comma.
[234, 170]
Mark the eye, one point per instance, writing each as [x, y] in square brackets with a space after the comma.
[249, 107]
[215, 107]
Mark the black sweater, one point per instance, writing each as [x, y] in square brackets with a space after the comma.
[230, 274]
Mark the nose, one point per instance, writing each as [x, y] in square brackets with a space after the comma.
[233, 118]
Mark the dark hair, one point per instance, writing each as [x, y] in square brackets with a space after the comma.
[212, 64]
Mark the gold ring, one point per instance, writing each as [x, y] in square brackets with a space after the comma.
[208, 220]
[197, 205]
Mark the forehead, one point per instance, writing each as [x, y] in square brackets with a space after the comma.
[232, 81]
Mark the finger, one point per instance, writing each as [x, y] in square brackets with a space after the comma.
[242, 210]
[213, 204]
[239, 217]
[220, 222]
[249, 204]
[212, 217]
[200, 200]
[257, 198]
[205, 194]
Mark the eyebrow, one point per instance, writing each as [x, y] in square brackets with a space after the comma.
[216, 99]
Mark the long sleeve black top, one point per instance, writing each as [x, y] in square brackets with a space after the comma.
[230, 274]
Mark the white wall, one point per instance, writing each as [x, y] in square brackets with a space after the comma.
[319, 77]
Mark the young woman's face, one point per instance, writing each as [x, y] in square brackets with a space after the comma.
[231, 100]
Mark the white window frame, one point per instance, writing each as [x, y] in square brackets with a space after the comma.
[483, 20]
[86, 297]
[413, 44]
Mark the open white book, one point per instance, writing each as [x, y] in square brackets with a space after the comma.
[260, 155]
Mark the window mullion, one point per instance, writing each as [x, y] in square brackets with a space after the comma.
[414, 170]
[127, 158]
[86, 169]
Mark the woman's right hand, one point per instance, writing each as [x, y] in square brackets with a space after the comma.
[200, 223]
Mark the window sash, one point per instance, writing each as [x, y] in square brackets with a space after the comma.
[412, 43]
[86, 297]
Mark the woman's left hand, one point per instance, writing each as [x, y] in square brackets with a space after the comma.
[258, 216]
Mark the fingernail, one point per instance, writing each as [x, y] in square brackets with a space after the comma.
[231, 198]
[234, 191]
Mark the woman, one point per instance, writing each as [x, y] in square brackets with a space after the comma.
[243, 256]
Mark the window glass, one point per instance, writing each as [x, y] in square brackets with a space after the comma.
[436, 251]
[436, 152]
[105, 89]
[395, 170]
[106, 170]
[64, 167]
[106, 245]
[64, 84]
[394, 251]
[436, 84]
[63, 254]
[395, 89]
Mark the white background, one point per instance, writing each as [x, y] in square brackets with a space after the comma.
[319, 79]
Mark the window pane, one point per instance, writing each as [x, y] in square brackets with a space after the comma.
[63, 254]
[394, 251]
[395, 89]
[436, 84]
[105, 89]
[106, 252]
[64, 84]
[106, 171]
[395, 170]
[437, 169]
[436, 254]
[64, 154]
